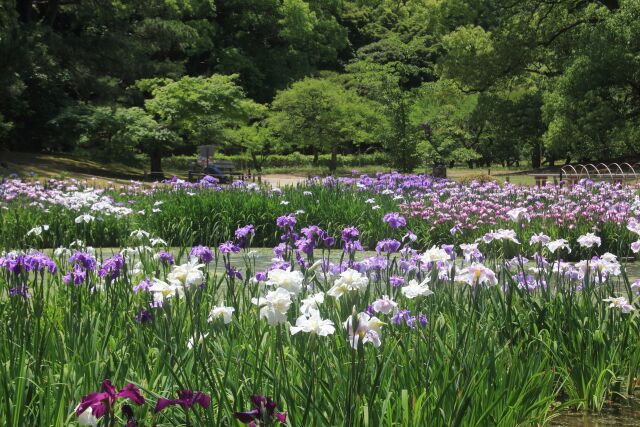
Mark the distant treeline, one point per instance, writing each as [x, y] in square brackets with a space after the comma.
[477, 81]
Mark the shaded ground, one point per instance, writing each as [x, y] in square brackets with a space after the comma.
[68, 166]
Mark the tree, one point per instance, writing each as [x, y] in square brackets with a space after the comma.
[381, 83]
[198, 109]
[323, 116]
[452, 131]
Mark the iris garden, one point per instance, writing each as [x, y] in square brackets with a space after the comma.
[379, 301]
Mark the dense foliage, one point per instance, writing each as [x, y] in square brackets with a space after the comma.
[468, 81]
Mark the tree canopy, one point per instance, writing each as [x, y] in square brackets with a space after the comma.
[476, 81]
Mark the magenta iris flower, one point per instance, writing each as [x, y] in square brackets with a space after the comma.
[263, 408]
[101, 402]
[186, 399]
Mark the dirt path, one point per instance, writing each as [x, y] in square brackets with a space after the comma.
[282, 180]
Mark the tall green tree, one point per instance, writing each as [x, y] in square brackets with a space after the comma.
[324, 117]
[199, 109]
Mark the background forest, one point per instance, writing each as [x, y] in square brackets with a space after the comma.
[474, 82]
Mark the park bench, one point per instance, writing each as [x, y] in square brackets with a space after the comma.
[228, 171]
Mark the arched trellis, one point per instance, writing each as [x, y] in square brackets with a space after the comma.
[613, 172]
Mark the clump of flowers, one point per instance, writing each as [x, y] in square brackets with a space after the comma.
[95, 405]
[263, 412]
[186, 399]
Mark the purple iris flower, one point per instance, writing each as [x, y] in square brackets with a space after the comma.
[286, 221]
[144, 285]
[352, 247]
[112, 266]
[228, 247]
[388, 246]
[84, 259]
[203, 253]
[395, 220]
[144, 316]
[450, 251]
[20, 291]
[243, 234]
[404, 316]
[422, 319]
[101, 402]
[327, 240]
[128, 413]
[350, 234]
[186, 399]
[396, 281]
[13, 263]
[306, 245]
[233, 272]
[37, 261]
[77, 275]
[263, 408]
[166, 258]
[279, 250]
[261, 276]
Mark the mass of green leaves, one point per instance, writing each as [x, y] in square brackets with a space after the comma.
[477, 82]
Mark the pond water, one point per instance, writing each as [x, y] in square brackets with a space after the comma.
[614, 415]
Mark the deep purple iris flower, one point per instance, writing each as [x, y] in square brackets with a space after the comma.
[395, 220]
[263, 408]
[20, 291]
[166, 258]
[128, 413]
[101, 402]
[84, 259]
[112, 266]
[144, 316]
[203, 253]
[186, 399]
[37, 261]
[232, 272]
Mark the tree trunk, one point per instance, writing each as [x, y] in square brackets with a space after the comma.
[315, 156]
[156, 164]
[24, 8]
[333, 165]
[256, 163]
[536, 155]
